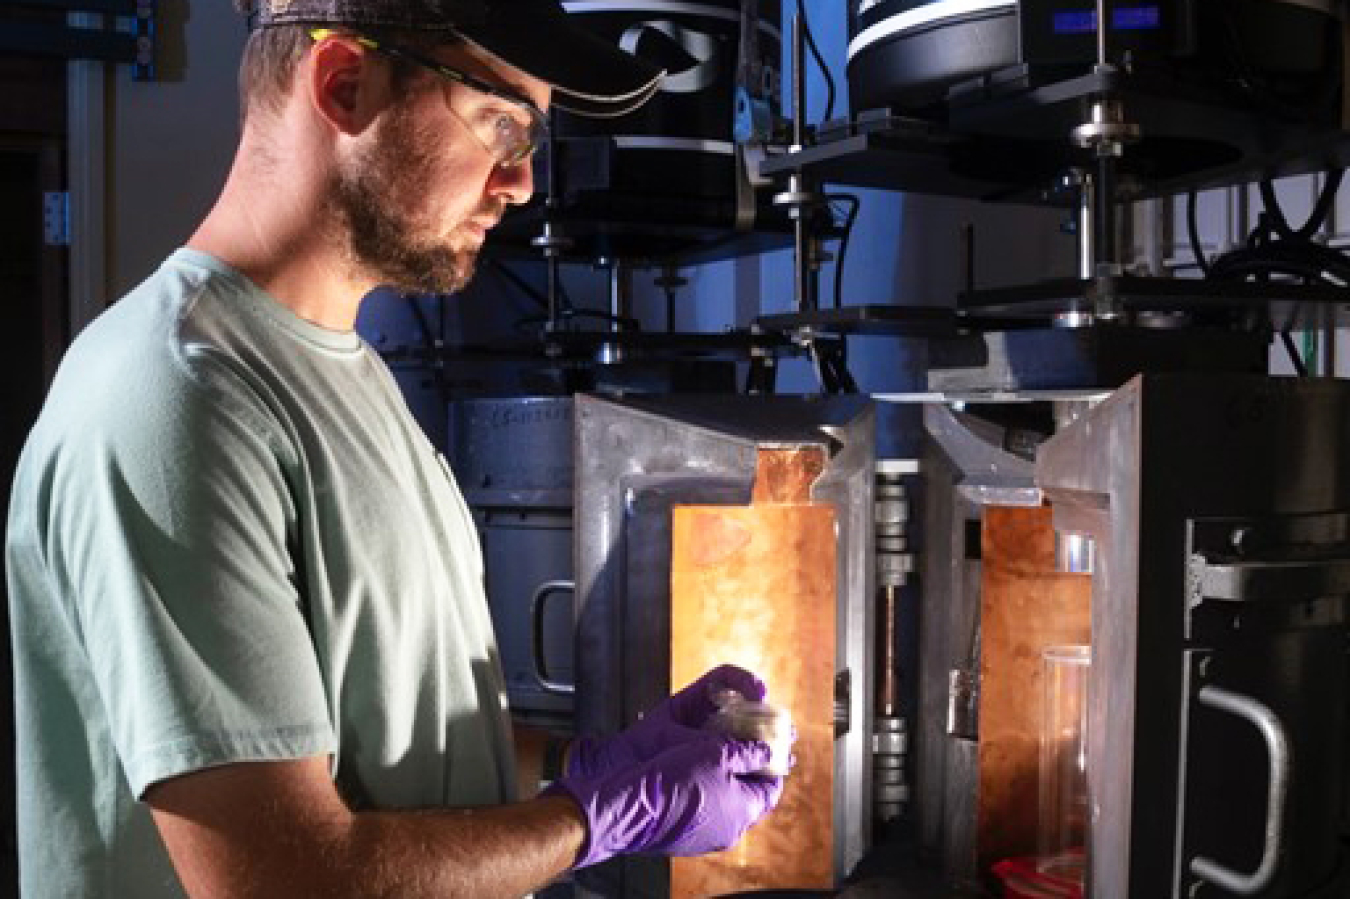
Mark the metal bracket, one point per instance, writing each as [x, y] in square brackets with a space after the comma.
[963, 704]
[1287, 581]
[1280, 559]
[843, 696]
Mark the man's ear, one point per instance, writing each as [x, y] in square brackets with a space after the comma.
[346, 85]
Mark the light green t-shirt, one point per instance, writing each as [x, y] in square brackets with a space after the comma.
[230, 541]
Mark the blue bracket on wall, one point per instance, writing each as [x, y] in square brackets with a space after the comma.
[127, 35]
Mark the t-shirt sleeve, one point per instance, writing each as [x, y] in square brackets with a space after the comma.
[170, 524]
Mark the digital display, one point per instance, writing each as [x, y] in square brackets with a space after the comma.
[1123, 18]
[1136, 18]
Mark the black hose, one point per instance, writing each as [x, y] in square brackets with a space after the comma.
[1294, 356]
[1193, 229]
[1318, 216]
[820, 61]
[849, 220]
[1307, 261]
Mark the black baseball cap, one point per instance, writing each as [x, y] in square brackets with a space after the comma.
[590, 75]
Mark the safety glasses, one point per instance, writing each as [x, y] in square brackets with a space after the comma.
[509, 140]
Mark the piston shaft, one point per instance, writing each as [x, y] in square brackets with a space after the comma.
[890, 738]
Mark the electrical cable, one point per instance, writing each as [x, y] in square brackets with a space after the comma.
[1193, 229]
[1276, 252]
[830, 360]
[849, 220]
[820, 62]
[1311, 264]
[1273, 211]
[1295, 358]
[1325, 201]
[1275, 249]
[1316, 218]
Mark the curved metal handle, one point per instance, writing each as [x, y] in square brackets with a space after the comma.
[540, 668]
[1281, 764]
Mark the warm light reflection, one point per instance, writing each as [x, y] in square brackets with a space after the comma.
[755, 586]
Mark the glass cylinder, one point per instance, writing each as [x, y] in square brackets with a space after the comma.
[1063, 811]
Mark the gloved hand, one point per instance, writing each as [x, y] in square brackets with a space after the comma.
[675, 720]
[698, 796]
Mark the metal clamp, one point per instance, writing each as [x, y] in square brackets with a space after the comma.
[1277, 748]
[1289, 580]
[537, 604]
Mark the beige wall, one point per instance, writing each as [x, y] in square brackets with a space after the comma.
[170, 142]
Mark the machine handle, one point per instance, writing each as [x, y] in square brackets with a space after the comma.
[537, 604]
[1281, 763]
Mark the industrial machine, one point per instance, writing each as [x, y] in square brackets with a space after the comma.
[1189, 785]
[1084, 632]
[677, 178]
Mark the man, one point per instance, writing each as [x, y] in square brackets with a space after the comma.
[252, 652]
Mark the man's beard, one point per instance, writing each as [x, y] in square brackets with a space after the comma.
[371, 201]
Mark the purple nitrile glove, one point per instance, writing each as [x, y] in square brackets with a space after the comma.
[698, 796]
[673, 721]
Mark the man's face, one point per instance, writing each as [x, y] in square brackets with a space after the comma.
[417, 199]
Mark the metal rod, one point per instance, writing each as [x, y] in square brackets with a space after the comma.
[620, 307]
[798, 83]
[888, 655]
[620, 294]
[551, 248]
[807, 286]
[1329, 342]
[801, 190]
[1104, 236]
[1087, 225]
[1101, 32]
[554, 293]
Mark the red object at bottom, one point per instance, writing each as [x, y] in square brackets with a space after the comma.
[1035, 878]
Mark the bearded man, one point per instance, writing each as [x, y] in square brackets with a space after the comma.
[253, 656]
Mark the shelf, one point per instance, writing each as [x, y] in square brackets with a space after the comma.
[1008, 140]
[1283, 306]
[899, 321]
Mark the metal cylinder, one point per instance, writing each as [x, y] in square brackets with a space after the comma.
[890, 787]
[678, 148]
[1086, 224]
[1074, 553]
[888, 669]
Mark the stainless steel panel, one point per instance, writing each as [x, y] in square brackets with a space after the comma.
[1137, 474]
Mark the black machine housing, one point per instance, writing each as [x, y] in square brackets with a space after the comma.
[913, 56]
